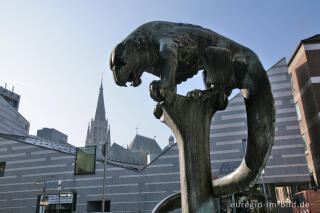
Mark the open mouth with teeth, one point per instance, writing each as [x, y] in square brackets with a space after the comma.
[134, 79]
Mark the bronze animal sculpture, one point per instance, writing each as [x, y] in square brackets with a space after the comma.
[175, 52]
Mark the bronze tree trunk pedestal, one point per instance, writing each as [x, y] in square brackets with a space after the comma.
[189, 118]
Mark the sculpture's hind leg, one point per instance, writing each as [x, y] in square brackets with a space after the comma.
[219, 72]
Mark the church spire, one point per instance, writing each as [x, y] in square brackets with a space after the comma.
[88, 136]
[100, 111]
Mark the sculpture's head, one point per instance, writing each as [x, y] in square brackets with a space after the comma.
[124, 63]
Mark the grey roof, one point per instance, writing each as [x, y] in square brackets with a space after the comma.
[314, 38]
[142, 143]
[120, 154]
[70, 149]
[45, 143]
[127, 159]
[280, 63]
[100, 111]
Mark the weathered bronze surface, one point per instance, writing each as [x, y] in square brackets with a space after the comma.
[175, 52]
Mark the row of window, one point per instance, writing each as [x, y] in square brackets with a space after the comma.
[85, 161]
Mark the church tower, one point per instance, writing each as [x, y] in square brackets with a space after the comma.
[98, 132]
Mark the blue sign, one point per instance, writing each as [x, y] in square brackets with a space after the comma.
[226, 168]
[48, 185]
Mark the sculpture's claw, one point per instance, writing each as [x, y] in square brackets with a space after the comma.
[158, 90]
[221, 99]
[157, 111]
[194, 94]
[155, 90]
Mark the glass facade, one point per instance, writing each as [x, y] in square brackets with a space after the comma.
[85, 162]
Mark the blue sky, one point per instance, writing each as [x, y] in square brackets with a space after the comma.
[54, 53]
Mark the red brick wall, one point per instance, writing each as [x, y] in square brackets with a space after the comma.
[308, 65]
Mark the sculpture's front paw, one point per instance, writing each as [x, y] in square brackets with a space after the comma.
[194, 94]
[157, 89]
[157, 111]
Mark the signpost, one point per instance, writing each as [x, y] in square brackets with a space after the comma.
[54, 199]
[104, 177]
[40, 182]
[57, 199]
[59, 190]
[43, 201]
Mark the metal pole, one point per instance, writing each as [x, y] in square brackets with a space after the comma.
[218, 205]
[104, 178]
[59, 190]
[59, 202]
[43, 197]
[234, 203]
[264, 191]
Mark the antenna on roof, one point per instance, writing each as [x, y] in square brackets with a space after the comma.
[137, 130]
[5, 86]
[12, 90]
[154, 137]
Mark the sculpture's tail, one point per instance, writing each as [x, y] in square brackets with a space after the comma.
[261, 118]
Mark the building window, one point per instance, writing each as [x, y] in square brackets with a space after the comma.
[298, 111]
[292, 84]
[2, 168]
[305, 144]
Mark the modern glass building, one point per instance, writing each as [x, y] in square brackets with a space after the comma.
[37, 174]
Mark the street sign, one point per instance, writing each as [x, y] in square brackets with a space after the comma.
[48, 185]
[66, 197]
[69, 194]
[43, 203]
[54, 199]
[39, 182]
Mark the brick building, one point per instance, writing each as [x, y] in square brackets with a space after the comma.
[304, 71]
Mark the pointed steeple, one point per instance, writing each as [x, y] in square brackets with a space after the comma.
[88, 135]
[100, 111]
